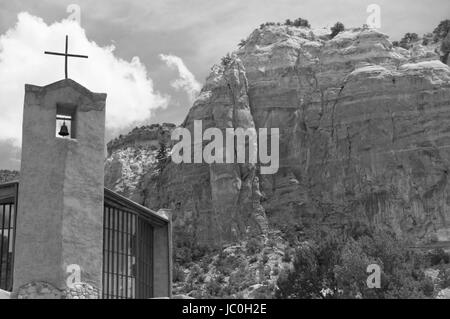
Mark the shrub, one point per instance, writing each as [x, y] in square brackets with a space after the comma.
[338, 263]
[242, 43]
[299, 22]
[254, 246]
[444, 278]
[214, 288]
[265, 257]
[178, 274]
[445, 48]
[226, 60]
[336, 29]
[441, 30]
[287, 257]
[408, 39]
[266, 24]
[439, 256]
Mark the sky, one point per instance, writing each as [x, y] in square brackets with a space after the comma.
[152, 56]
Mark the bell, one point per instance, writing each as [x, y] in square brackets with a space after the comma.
[64, 131]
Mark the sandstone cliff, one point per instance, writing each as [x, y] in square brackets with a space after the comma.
[132, 156]
[364, 138]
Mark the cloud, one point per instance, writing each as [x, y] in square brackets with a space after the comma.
[131, 96]
[186, 80]
[9, 155]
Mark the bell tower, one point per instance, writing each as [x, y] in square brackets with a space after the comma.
[61, 192]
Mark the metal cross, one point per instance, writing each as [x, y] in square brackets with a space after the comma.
[66, 54]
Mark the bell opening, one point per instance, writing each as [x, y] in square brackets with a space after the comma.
[65, 121]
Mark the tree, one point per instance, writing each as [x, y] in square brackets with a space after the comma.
[441, 30]
[408, 39]
[242, 43]
[162, 158]
[299, 22]
[445, 48]
[336, 29]
[226, 60]
[333, 265]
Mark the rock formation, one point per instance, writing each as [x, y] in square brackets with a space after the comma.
[364, 138]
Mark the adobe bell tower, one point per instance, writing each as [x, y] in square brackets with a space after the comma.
[60, 211]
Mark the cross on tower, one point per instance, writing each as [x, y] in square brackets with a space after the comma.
[66, 54]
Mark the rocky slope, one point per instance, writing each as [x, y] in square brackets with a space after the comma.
[363, 139]
[132, 156]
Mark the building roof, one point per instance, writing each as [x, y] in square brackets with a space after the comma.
[8, 192]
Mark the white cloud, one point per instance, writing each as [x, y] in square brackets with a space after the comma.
[131, 96]
[186, 80]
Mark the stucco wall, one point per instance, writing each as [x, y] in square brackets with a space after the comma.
[60, 213]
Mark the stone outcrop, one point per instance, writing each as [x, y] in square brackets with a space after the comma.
[132, 156]
[364, 138]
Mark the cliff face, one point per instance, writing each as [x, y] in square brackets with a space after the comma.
[133, 156]
[363, 138]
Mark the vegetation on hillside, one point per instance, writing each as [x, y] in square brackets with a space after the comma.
[441, 30]
[334, 265]
[298, 23]
[336, 29]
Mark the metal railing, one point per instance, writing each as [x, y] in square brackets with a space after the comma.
[127, 251]
[8, 204]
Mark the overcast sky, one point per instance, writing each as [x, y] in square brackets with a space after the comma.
[152, 57]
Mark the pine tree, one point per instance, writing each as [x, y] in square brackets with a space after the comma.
[161, 158]
[336, 29]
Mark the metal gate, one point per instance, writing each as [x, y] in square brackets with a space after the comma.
[8, 201]
[127, 253]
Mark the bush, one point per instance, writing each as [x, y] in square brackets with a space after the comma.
[287, 257]
[242, 43]
[441, 30]
[178, 274]
[408, 39]
[444, 278]
[267, 24]
[299, 22]
[226, 60]
[336, 29]
[254, 246]
[439, 256]
[214, 288]
[337, 264]
[445, 48]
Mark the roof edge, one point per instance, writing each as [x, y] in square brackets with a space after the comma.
[127, 201]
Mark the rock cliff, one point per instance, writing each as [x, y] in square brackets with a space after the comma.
[364, 138]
